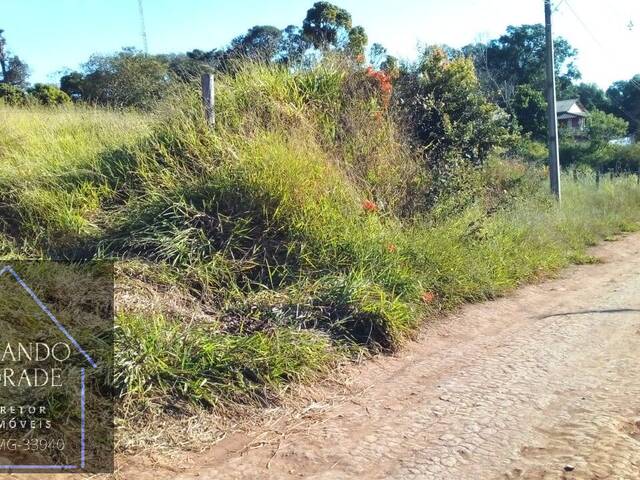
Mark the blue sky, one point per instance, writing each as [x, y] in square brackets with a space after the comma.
[50, 35]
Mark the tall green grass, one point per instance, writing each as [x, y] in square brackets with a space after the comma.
[297, 225]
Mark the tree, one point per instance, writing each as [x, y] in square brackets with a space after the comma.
[530, 109]
[186, 68]
[377, 55]
[71, 84]
[597, 151]
[14, 71]
[326, 25]
[603, 127]
[590, 95]
[210, 57]
[127, 78]
[17, 72]
[260, 43]
[3, 55]
[293, 45]
[49, 94]
[517, 58]
[625, 101]
[357, 42]
[391, 67]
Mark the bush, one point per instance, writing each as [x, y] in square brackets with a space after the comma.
[530, 109]
[450, 120]
[49, 95]
[447, 110]
[606, 158]
[623, 158]
[528, 150]
[573, 152]
[11, 95]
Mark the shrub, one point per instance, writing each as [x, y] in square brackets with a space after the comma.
[12, 95]
[622, 158]
[450, 120]
[528, 150]
[447, 110]
[530, 109]
[573, 152]
[49, 94]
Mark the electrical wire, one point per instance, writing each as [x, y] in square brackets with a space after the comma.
[558, 5]
[633, 82]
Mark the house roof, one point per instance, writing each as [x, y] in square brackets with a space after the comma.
[571, 107]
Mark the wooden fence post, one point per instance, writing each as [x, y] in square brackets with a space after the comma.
[208, 98]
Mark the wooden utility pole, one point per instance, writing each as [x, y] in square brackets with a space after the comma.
[552, 119]
[208, 100]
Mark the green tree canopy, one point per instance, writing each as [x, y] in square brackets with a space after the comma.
[293, 45]
[377, 55]
[590, 95]
[261, 43]
[357, 41]
[529, 107]
[71, 83]
[127, 78]
[625, 101]
[603, 127]
[326, 24]
[14, 71]
[517, 58]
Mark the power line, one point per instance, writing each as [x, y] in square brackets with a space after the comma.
[584, 25]
[632, 81]
[593, 36]
[558, 5]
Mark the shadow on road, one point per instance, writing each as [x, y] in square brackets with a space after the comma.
[586, 312]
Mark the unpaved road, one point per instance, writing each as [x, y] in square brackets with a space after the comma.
[519, 388]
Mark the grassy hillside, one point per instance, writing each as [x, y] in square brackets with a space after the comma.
[290, 237]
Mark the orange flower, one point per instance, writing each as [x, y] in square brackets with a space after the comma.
[360, 58]
[428, 297]
[385, 86]
[369, 206]
[391, 248]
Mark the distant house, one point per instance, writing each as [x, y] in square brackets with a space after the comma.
[571, 115]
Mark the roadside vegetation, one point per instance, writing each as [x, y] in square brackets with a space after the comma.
[333, 208]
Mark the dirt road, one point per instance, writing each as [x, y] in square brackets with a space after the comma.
[543, 384]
